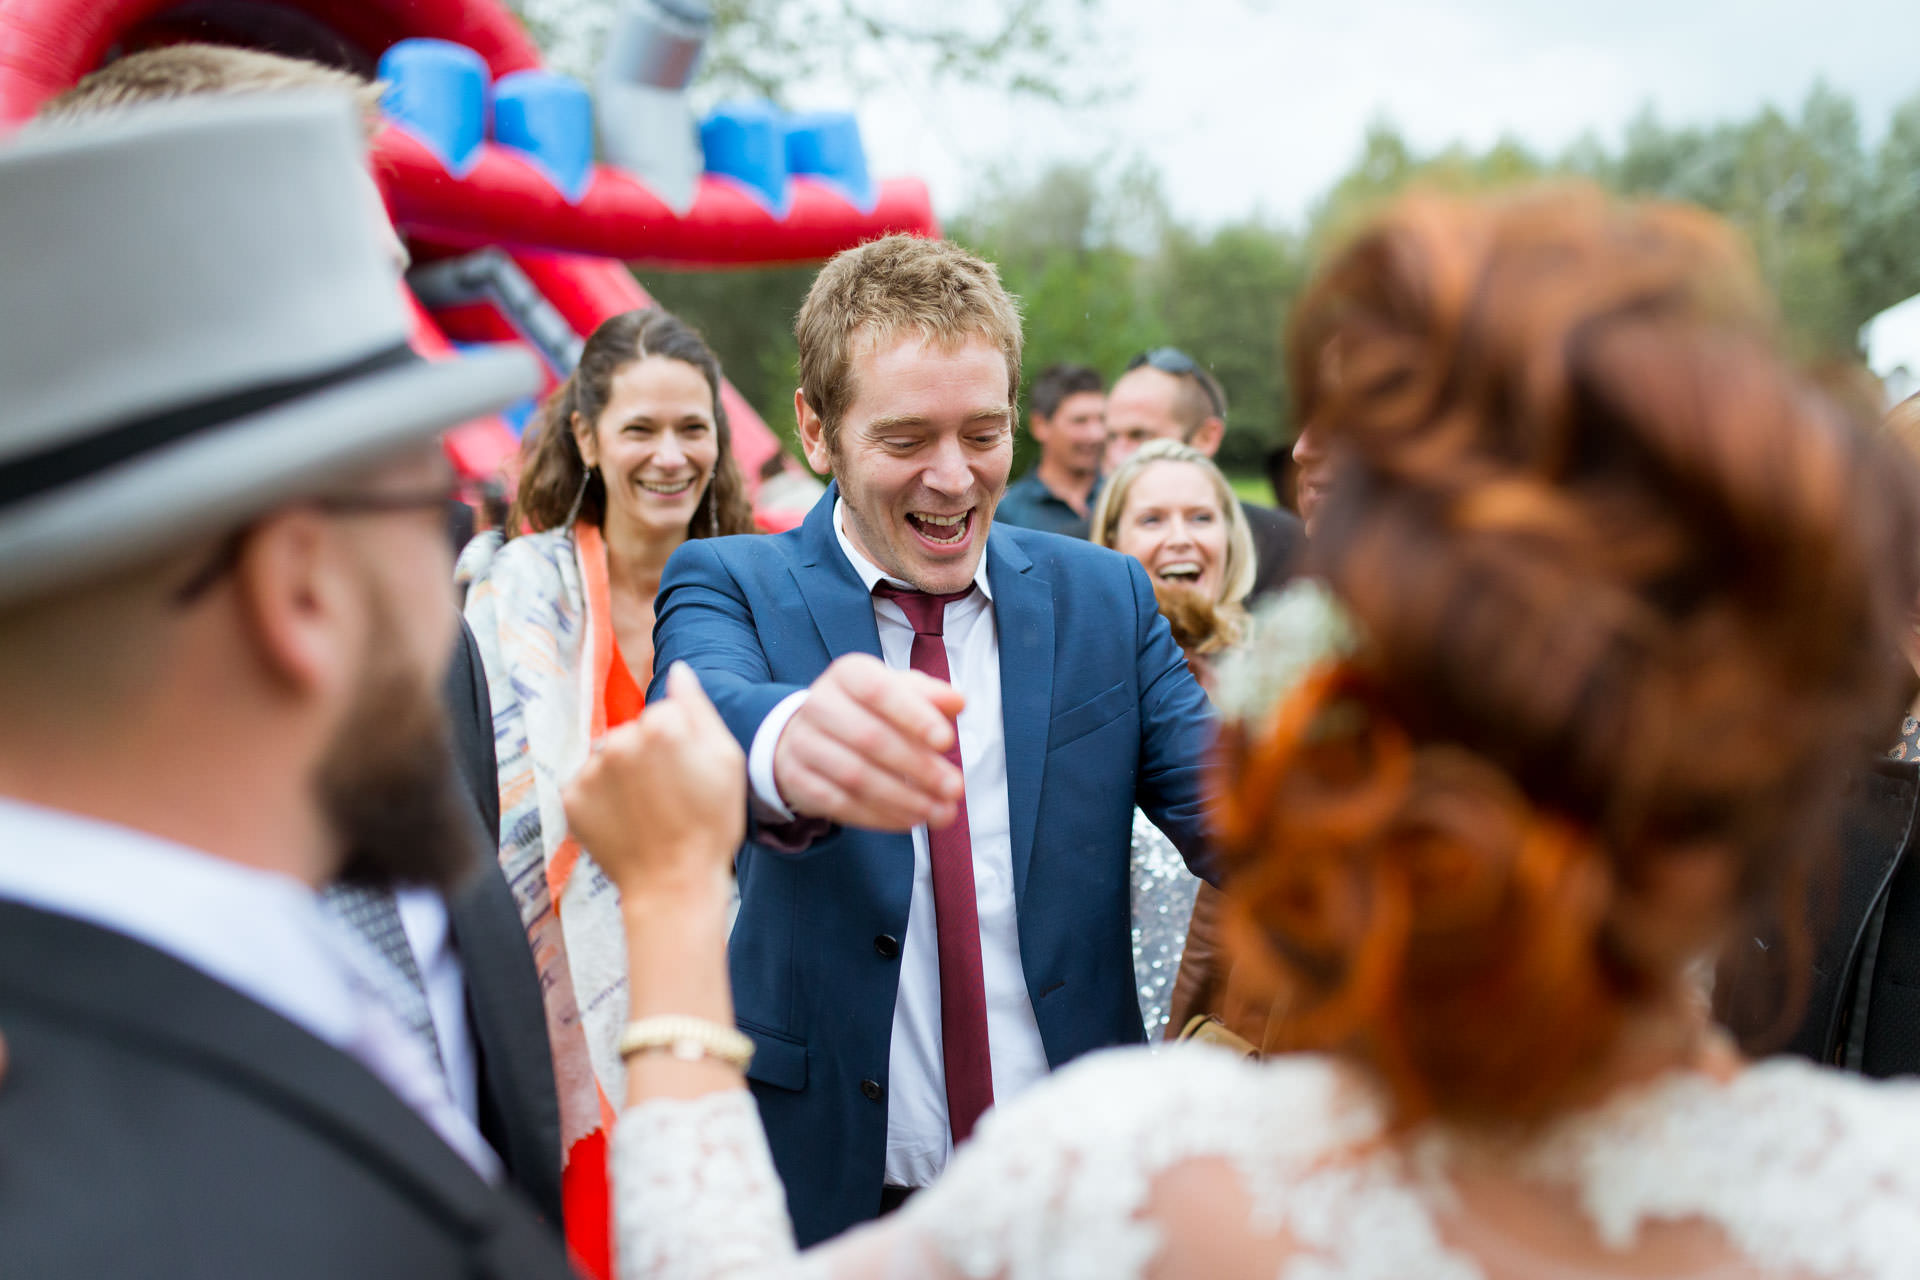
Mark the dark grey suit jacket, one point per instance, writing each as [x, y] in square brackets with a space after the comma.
[519, 1107]
[156, 1123]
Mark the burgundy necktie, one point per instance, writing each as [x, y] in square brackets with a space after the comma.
[963, 994]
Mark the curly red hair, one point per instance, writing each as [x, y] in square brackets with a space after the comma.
[1629, 592]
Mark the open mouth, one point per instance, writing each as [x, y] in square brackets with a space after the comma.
[1184, 573]
[941, 530]
[667, 488]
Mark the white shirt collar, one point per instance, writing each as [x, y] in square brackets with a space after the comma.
[870, 573]
[259, 932]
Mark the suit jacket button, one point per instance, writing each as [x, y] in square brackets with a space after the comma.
[887, 945]
[872, 1089]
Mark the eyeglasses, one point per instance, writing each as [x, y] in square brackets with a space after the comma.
[1174, 361]
[221, 562]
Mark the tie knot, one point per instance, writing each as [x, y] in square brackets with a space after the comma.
[926, 612]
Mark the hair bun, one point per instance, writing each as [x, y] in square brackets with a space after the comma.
[1628, 589]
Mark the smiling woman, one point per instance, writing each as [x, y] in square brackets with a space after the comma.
[629, 458]
[1169, 507]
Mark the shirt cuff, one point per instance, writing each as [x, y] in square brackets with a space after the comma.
[768, 808]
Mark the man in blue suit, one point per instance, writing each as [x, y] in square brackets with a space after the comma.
[948, 727]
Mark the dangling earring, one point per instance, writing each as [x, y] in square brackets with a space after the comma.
[579, 497]
[713, 512]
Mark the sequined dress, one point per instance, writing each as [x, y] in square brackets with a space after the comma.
[1162, 895]
[1908, 748]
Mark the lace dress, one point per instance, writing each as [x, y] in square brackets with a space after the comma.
[1191, 1162]
[1162, 894]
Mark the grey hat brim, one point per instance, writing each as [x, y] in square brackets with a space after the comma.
[218, 479]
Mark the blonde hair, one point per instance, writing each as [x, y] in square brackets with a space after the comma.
[1237, 573]
[889, 287]
[195, 70]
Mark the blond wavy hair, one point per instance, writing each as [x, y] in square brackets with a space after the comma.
[888, 288]
[1237, 574]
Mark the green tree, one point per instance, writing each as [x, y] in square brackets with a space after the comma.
[1223, 297]
[1083, 295]
[763, 48]
[747, 318]
[1883, 236]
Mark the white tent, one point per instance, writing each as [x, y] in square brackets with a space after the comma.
[1892, 341]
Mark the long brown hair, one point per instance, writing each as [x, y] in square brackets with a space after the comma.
[1629, 591]
[553, 476]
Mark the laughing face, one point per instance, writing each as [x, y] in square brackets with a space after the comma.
[922, 456]
[655, 445]
[1172, 523]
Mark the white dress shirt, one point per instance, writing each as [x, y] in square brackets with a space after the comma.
[423, 914]
[261, 933]
[919, 1139]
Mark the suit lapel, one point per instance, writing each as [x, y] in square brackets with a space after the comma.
[142, 997]
[841, 608]
[1023, 616]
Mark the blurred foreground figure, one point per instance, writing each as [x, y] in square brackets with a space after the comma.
[452, 962]
[1608, 602]
[1857, 1005]
[224, 617]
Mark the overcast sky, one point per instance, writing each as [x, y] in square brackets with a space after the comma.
[1256, 105]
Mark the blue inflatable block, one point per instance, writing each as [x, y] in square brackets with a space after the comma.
[826, 145]
[549, 118]
[747, 141]
[438, 91]
[518, 415]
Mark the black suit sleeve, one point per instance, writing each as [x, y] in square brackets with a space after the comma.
[470, 717]
[1278, 544]
[519, 1105]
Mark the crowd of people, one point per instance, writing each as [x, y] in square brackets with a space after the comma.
[645, 895]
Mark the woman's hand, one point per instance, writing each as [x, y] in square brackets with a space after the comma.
[661, 804]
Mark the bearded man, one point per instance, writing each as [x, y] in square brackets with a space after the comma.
[224, 616]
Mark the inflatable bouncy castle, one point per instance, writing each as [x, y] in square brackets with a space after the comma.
[522, 195]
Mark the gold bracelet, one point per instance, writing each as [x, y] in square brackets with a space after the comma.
[688, 1039]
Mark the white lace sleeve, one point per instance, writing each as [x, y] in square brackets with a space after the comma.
[1192, 1163]
[1068, 1182]
[696, 1195]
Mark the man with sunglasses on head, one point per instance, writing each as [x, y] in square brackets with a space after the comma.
[1167, 395]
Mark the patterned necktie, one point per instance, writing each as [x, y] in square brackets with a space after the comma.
[963, 995]
[374, 915]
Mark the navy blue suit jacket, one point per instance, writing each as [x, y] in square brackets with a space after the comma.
[1101, 714]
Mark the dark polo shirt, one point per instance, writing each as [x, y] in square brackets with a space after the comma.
[1029, 504]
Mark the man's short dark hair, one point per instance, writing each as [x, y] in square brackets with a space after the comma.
[1058, 381]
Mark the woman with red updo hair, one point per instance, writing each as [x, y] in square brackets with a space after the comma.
[1606, 601]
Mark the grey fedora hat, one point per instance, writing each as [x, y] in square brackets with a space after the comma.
[199, 321]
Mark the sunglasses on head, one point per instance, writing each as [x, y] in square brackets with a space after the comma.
[1172, 360]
